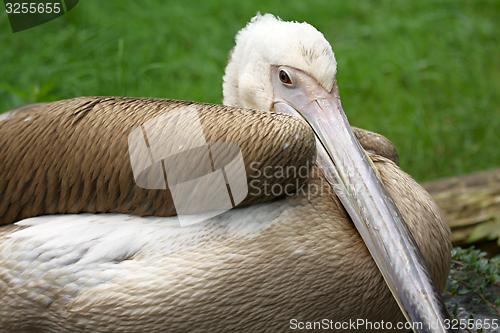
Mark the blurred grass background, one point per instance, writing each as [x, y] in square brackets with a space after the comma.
[424, 73]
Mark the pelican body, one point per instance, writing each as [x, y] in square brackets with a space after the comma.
[267, 265]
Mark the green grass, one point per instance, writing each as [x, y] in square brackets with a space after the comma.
[424, 73]
[473, 286]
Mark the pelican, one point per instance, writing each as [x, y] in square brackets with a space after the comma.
[272, 264]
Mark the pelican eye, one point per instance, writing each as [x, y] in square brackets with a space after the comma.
[285, 77]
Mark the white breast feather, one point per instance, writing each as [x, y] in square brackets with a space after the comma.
[77, 252]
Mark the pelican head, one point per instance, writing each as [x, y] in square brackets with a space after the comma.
[266, 42]
[289, 67]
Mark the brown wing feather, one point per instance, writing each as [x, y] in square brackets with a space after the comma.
[71, 156]
[377, 144]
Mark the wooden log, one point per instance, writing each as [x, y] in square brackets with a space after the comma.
[471, 204]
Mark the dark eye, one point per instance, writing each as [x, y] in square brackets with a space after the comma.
[285, 77]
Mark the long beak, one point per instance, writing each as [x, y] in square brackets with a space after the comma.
[352, 176]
